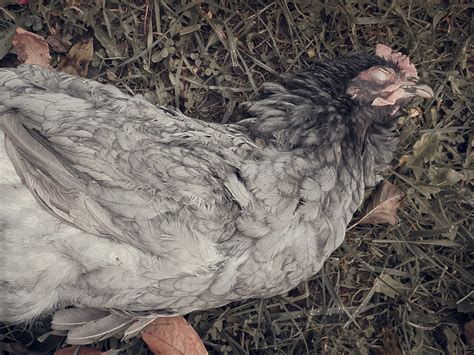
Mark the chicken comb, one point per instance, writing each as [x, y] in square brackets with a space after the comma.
[399, 59]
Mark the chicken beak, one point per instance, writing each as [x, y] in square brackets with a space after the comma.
[421, 90]
[404, 91]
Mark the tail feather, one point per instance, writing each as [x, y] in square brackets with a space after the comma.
[101, 329]
[137, 327]
[68, 319]
[88, 325]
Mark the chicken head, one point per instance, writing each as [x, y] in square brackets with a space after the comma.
[389, 85]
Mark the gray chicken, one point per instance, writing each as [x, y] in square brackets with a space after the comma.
[109, 202]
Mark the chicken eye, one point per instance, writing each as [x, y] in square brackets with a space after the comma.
[380, 74]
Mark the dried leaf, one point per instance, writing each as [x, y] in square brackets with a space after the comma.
[423, 151]
[173, 336]
[452, 339]
[6, 37]
[384, 205]
[56, 43]
[31, 48]
[73, 350]
[390, 287]
[391, 343]
[444, 176]
[108, 43]
[469, 332]
[78, 59]
[414, 112]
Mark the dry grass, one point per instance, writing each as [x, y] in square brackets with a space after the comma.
[412, 283]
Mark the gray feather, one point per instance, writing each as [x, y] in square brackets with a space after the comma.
[68, 319]
[137, 327]
[98, 330]
[110, 202]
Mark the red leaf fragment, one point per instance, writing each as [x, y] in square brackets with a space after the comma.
[391, 343]
[469, 332]
[31, 48]
[173, 336]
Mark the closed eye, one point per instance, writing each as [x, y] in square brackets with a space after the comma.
[380, 74]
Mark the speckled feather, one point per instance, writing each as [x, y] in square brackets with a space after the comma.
[143, 208]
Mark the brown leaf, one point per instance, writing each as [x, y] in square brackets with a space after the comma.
[390, 342]
[389, 286]
[173, 336]
[57, 43]
[384, 205]
[414, 112]
[78, 59]
[444, 176]
[73, 350]
[469, 332]
[424, 151]
[31, 48]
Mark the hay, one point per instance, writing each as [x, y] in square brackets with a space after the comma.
[410, 285]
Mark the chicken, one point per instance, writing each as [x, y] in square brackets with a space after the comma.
[110, 202]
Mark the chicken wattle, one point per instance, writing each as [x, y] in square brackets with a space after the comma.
[111, 202]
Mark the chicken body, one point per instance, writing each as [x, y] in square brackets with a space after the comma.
[125, 205]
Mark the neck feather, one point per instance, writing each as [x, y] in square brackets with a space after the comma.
[361, 138]
[371, 141]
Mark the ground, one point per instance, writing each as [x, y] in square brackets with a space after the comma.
[388, 289]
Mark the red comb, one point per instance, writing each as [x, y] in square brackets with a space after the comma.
[397, 58]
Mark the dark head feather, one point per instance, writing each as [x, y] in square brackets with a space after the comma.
[309, 111]
[310, 108]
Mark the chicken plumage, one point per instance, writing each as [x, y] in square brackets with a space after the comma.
[143, 208]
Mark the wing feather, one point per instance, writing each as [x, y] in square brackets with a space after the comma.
[118, 166]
